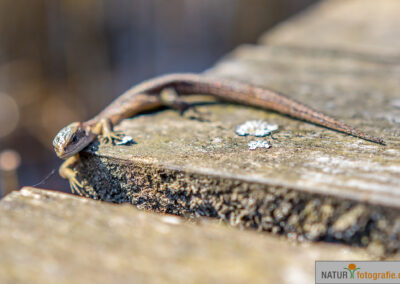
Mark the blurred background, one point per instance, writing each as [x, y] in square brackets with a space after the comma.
[64, 60]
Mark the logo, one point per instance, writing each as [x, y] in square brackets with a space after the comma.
[356, 271]
[352, 268]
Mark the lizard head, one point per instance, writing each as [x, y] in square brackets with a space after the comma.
[71, 139]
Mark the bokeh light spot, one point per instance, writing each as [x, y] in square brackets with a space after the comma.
[9, 115]
[9, 160]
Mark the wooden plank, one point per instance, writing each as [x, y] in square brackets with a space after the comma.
[365, 28]
[313, 183]
[51, 237]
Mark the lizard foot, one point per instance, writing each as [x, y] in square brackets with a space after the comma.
[110, 137]
[66, 171]
[78, 187]
[75, 184]
[107, 135]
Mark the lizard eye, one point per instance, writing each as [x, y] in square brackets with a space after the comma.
[74, 138]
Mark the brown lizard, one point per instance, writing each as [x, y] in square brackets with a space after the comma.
[157, 92]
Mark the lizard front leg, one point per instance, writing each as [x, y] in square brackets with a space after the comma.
[105, 132]
[168, 97]
[67, 172]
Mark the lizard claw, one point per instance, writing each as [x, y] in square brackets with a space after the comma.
[78, 187]
[68, 172]
[111, 137]
[75, 184]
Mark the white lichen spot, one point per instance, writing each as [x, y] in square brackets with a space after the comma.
[216, 140]
[396, 103]
[125, 140]
[256, 128]
[171, 220]
[295, 273]
[258, 144]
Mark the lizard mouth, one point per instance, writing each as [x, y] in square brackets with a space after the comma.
[60, 152]
[63, 155]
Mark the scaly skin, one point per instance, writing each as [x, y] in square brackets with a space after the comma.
[149, 95]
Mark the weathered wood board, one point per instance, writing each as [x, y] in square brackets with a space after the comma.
[313, 183]
[361, 28]
[51, 237]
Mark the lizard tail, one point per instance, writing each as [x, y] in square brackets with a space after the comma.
[295, 109]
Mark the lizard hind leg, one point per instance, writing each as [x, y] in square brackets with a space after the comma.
[106, 133]
[170, 98]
